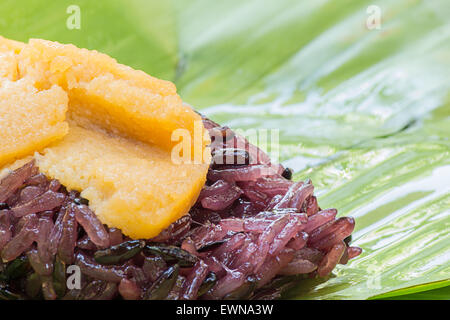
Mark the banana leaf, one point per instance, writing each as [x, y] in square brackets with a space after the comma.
[362, 111]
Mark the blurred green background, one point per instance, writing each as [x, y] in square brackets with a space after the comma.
[363, 112]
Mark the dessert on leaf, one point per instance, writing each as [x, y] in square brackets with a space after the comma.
[105, 167]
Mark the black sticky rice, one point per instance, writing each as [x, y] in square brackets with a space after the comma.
[251, 234]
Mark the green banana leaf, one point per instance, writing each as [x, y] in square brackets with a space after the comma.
[363, 112]
[436, 294]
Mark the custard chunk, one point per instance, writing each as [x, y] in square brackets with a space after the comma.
[9, 50]
[30, 119]
[11, 45]
[8, 65]
[108, 94]
[130, 185]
